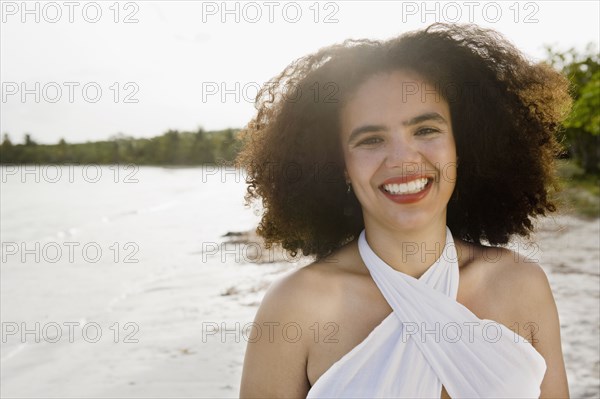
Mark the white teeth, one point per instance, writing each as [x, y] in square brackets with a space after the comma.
[413, 186]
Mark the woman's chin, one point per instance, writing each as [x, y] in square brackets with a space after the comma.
[409, 222]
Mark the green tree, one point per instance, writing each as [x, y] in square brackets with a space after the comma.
[582, 127]
[6, 140]
[6, 150]
[202, 148]
[227, 146]
[61, 151]
[29, 141]
[586, 110]
[171, 148]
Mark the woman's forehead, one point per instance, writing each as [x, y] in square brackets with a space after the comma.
[396, 94]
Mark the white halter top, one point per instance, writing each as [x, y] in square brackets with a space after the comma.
[430, 339]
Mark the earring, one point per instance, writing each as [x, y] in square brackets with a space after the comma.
[348, 207]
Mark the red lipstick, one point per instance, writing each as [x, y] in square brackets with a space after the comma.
[407, 198]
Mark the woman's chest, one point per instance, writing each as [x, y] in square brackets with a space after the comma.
[364, 309]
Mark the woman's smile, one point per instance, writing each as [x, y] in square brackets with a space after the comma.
[410, 191]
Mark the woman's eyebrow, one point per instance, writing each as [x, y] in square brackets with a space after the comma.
[429, 116]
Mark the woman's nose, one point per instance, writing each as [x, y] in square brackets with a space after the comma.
[401, 152]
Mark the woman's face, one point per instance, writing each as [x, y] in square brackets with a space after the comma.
[399, 151]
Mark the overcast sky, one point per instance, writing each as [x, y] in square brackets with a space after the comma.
[88, 70]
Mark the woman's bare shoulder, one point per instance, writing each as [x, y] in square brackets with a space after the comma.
[275, 363]
[517, 273]
[510, 286]
[307, 290]
[501, 265]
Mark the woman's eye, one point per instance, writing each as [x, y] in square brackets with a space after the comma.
[370, 140]
[426, 130]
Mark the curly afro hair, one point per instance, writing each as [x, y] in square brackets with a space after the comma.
[505, 112]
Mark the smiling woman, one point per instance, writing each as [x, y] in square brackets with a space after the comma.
[408, 156]
[425, 147]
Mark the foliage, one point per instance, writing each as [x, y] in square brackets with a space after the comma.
[582, 127]
[172, 148]
[586, 110]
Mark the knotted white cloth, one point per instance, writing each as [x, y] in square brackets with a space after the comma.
[430, 339]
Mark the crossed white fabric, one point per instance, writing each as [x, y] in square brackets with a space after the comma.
[430, 339]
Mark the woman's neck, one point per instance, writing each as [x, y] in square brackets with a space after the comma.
[411, 252]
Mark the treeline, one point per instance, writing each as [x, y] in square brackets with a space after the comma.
[581, 135]
[172, 148]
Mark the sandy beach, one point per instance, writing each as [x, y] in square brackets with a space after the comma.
[570, 255]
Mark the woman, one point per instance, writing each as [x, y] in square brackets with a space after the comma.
[393, 162]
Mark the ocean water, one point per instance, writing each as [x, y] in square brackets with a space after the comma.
[118, 252]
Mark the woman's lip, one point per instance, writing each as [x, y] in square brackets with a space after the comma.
[408, 198]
